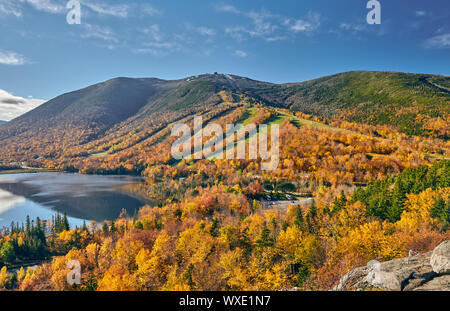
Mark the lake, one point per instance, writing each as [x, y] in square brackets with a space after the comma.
[81, 197]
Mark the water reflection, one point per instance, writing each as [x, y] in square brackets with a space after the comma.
[82, 197]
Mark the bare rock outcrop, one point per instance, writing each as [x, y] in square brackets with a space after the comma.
[440, 259]
[423, 272]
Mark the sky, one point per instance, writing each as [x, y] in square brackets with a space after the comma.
[43, 56]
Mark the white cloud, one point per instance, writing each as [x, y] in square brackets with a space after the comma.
[150, 10]
[263, 25]
[154, 32]
[310, 23]
[100, 8]
[13, 106]
[161, 45]
[358, 28]
[240, 53]
[206, 31]
[268, 26]
[155, 52]
[157, 43]
[438, 42]
[10, 7]
[275, 38]
[238, 33]
[227, 9]
[97, 32]
[15, 7]
[301, 26]
[352, 27]
[49, 6]
[158, 48]
[6, 98]
[12, 58]
[421, 13]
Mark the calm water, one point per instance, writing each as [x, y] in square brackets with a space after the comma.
[82, 197]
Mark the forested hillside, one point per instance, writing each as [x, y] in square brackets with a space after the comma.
[410, 102]
[414, 104]
[221, 238]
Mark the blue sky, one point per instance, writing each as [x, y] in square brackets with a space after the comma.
[42, 56]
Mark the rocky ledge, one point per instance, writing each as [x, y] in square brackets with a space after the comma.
[422, 272]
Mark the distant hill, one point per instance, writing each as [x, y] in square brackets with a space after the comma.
[409, 102]
[403, 100]
[2, 122]
[98, 107]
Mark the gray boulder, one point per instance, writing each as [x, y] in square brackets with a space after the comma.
[437, 284]
[440, 258]
[420, 272]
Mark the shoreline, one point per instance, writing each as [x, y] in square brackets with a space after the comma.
[28, 170]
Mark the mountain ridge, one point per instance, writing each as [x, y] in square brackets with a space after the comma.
[411, 103]
[246, 85]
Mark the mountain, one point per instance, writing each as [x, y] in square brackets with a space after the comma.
[98, 106]
[2, 122]
[374, 97]
[103, 105]
[408, 102]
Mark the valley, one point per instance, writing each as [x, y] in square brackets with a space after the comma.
[363, 174]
